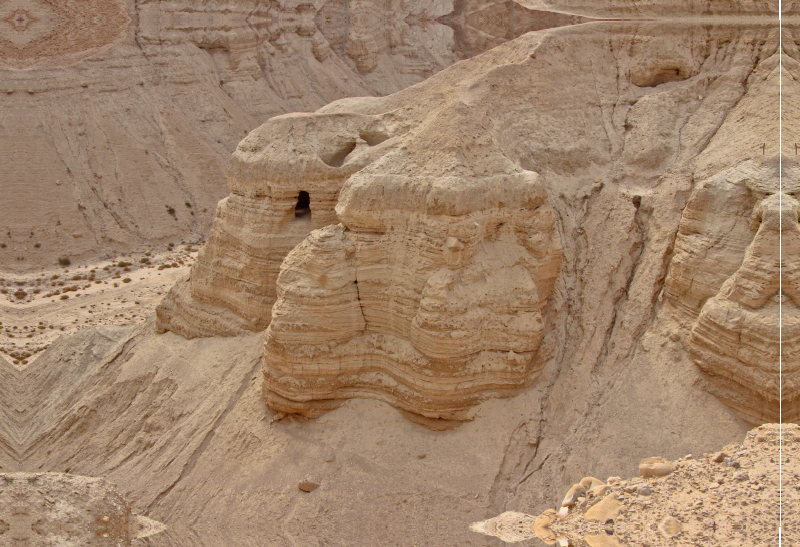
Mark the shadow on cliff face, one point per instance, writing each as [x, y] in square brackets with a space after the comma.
[506, 227]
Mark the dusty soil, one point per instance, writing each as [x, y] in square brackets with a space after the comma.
[38, 308]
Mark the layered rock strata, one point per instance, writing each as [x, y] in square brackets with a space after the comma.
[118, 117]
[742, 336]
[396, 302]
[731, 286]
[726, 279]
[431, 301]
[281, 190]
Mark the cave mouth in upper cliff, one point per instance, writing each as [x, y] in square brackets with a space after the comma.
[303, 207]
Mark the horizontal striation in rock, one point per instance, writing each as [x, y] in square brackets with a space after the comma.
[114, 113]
[736, 339]
[276, 201]
[429, 295]
[715, 230]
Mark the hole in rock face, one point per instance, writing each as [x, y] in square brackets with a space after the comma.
[660, 75]
[373, 138]
[337, 157]
[303, 207]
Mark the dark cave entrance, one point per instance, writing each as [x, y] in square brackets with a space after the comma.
[303, 207]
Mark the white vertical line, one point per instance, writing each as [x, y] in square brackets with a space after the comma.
[780, 273]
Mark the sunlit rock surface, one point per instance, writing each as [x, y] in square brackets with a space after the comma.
[427, 187]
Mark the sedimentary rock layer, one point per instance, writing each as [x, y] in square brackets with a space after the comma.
[727, 278]
[281, 189]
[737, 336]
[432, 302]
[479, 165]
[117, 118]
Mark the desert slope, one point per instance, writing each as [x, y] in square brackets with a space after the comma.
[118, 117]
[418, 311]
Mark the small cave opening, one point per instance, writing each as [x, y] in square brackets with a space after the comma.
[337, 156]
[374, 137]
[660, 75]
[303, 207]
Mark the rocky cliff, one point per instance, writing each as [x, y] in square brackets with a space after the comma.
[456, 199]
[118, 117]
[583, 218]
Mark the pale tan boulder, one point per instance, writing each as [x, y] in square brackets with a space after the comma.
[573, 495]
[655, 467]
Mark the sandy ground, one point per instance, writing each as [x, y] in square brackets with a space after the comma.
[38, 308]
[728, 498]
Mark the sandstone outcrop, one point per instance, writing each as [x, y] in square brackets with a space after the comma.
[726, 277]
[613, 127]
[429, 185]
[118, 117]
[733, 277]
[281, 190]
[439, 293]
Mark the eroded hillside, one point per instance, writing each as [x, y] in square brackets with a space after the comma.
[117, 117]
[419, 311]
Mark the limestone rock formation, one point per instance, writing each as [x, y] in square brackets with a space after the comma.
[725, 277]
[612, 127]
[39, 509]
[118, 117]
[439, 294]
[275, 202]
[480, 164]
